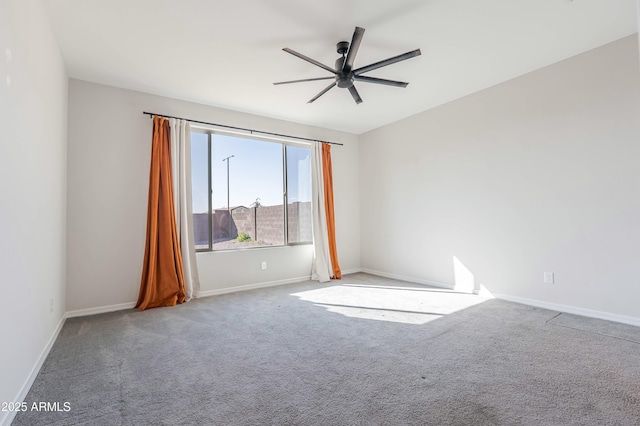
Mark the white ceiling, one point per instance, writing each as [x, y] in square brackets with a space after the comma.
[228, 53]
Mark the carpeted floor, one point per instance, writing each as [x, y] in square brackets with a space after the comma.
[363, 351]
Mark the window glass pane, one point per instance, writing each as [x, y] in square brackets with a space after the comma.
[299, 194]
[247, 182]
[200, 189]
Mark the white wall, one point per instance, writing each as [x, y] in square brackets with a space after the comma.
[33, 124]
[109, 151]
[538, 174]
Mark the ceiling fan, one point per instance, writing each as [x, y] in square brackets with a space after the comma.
[344, 74]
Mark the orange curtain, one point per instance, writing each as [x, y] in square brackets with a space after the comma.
[328, 207]
[162, 281]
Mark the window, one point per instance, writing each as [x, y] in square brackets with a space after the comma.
[240, 188]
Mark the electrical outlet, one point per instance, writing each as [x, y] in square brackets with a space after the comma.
[548, 277]
[264, 264]
[51, 305]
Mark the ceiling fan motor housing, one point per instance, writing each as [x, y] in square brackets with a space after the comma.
[343, 79]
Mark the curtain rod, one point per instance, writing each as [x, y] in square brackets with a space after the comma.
[151, 114]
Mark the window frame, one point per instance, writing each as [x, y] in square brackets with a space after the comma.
[285, 196]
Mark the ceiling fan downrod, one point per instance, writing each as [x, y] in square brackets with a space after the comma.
[343, 79]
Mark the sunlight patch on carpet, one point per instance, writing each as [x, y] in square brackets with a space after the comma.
[402, 303]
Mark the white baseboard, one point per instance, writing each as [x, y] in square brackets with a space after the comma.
[100, 310]
[207, 293]
[570, 309]
[407, 278]
[227, 290]
[10, 415]
[350, 271]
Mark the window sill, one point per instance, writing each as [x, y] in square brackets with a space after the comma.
[254, 248]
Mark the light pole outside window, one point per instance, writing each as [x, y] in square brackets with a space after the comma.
[227, 160]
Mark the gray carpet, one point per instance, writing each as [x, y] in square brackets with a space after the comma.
[363, 351]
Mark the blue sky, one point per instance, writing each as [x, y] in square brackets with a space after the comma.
[255, 171]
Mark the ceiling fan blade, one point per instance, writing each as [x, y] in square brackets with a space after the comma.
[304, 79]
[355, 94]
[380, 81]
[353, 49]
[329, 87]
[313, 61]
[386, 62]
